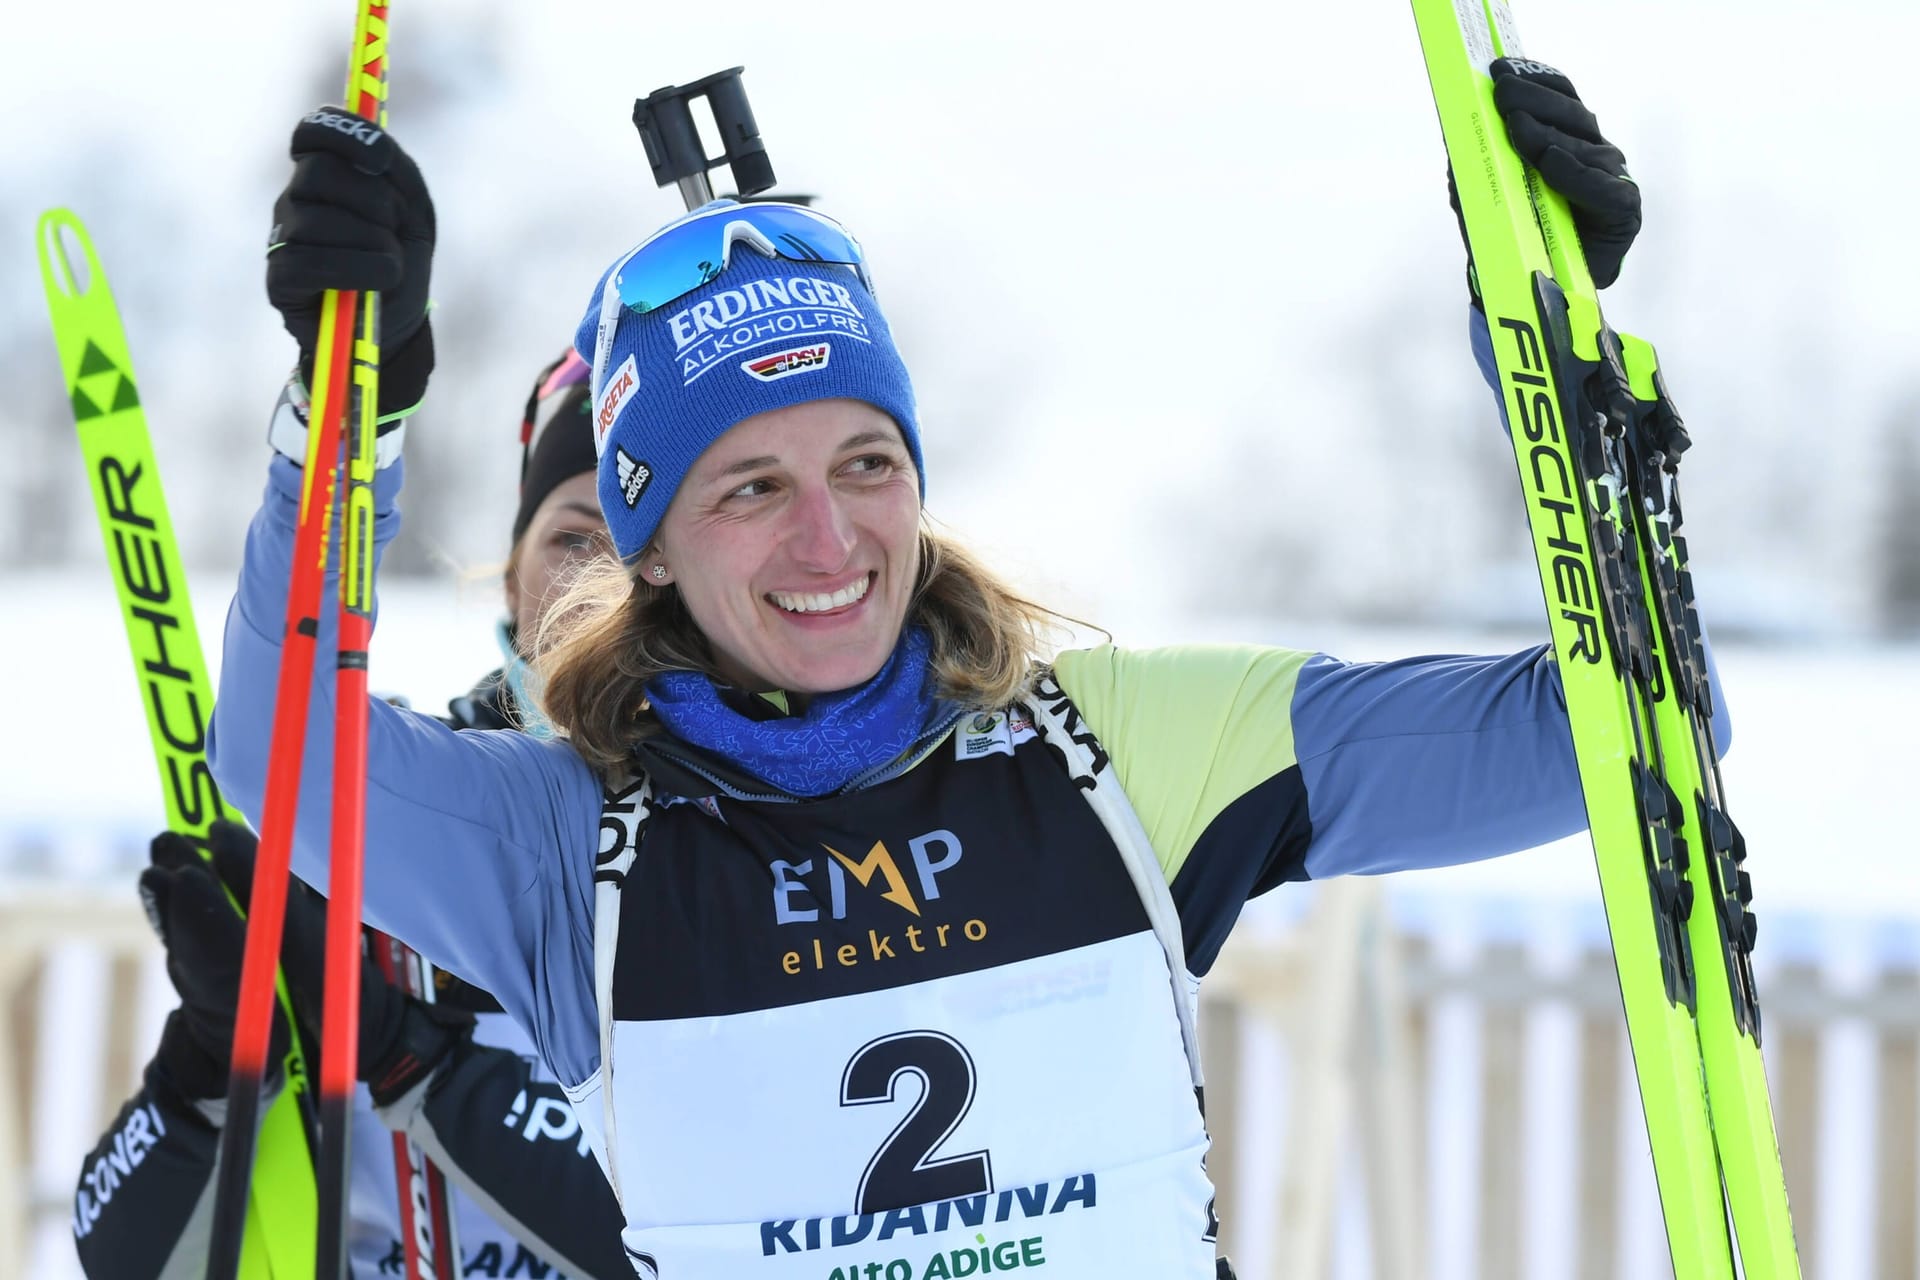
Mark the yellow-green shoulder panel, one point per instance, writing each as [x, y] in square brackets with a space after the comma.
[1189, 728]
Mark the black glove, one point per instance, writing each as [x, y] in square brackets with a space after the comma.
[401, 1039]
[205, 940]
[356, 215]
[1555, 133]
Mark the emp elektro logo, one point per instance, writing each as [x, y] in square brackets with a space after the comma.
[759, 313]
[801, 890]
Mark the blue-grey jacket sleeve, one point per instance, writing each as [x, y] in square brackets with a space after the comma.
[1431, 761]
[1251, 766]
[479, 845]
[1480, 339]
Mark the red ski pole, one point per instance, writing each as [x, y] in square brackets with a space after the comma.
[266, 911]
[340, 1010]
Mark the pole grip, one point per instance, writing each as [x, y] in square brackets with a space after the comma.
[677, 157]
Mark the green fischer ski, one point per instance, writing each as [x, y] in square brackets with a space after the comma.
[165, 645]
[1721, 929]
[1598, 443]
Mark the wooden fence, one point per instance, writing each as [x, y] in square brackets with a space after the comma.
[1397, 1089]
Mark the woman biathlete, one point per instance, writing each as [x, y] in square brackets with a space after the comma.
[863, 932]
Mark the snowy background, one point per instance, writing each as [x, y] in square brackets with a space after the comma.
[1182, 297]
[1184, 304]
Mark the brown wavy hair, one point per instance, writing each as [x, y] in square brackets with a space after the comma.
[612, 631]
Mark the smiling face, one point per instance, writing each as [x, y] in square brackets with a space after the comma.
[794, 542]
[565, 527]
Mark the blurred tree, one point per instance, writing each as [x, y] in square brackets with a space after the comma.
[1388, 490]
[41, 488]
[1897, 589]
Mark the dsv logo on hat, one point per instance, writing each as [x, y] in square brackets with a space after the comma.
[784, 364]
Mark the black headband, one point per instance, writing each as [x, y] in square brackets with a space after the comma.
[558, 445]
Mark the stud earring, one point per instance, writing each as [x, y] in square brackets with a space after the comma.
[659, 573]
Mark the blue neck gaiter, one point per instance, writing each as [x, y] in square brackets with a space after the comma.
[836, 739]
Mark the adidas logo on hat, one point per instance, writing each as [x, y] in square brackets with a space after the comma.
[634, 475]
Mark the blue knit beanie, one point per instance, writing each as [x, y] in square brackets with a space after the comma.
[765, 334]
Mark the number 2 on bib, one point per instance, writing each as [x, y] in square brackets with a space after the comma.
[904, 1170]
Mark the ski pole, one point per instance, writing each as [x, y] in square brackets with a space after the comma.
[366, 91]
[427, 1227]
[340, 1012]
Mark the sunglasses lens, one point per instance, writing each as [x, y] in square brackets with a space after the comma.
[692, 253]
